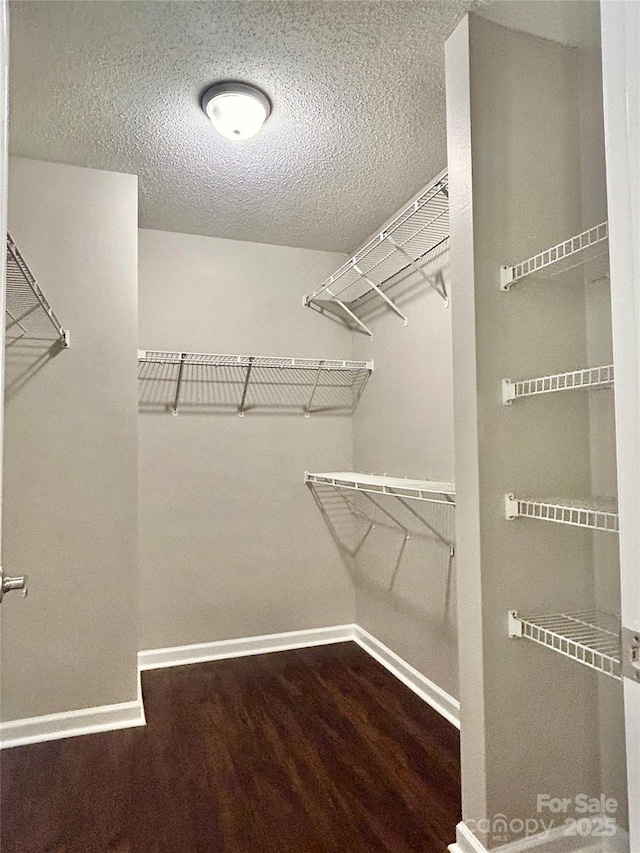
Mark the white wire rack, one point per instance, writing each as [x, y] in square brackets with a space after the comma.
[240, 383]
[421, 490]
[402, 245]
[591, 637]
[577, 250]
[590, 377]
[596, 516]
[28, 313]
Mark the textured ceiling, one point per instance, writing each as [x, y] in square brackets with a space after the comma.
[358, 121]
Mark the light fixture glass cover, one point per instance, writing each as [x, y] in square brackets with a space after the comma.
[237, 110]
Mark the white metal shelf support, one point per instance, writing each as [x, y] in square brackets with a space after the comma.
[589, 516]
[381, 294]
[401, 245]
[576, 250]
[250, 361]
[347, 376]
[590, 637]
[424, 490]
[25, 301]
[590, 377]
[398, 487]
[437, 285]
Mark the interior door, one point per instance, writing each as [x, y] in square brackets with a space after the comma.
[621, 88]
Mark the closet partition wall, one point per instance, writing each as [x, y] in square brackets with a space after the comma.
[537, 518]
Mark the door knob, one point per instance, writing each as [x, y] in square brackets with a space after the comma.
[9, 584]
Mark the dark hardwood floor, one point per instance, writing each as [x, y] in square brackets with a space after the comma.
[294, 752]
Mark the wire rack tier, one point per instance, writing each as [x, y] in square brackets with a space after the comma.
[241, 383]
[591, 637]
[402, 245]
[28, 313]
[589, 377]
[422, 490]
[581, 249]
[596, 515]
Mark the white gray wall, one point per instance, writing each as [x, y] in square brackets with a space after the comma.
[404, 428]
[602, 427]
[521, 179]
[70, 448]
[231, 541]
[514, 136]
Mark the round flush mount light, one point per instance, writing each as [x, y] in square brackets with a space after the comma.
[237, 110]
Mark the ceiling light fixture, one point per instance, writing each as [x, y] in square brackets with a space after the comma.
[237, 110]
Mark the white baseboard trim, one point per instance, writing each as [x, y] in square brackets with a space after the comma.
[555, 841]
[127, 714]
[86, 721]
[426, 689]
[221, 649]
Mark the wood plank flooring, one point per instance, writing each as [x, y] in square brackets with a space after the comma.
[312, 751]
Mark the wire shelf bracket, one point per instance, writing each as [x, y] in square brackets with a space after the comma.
[399, 487]
[590, 377]
[577, 250]
[26, 305]
[576, 515]
[401, 245]
[237, 373]
[590, 637]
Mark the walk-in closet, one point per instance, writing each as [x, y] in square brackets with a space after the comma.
[321, 427]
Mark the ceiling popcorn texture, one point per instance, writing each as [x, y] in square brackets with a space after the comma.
[357, 127]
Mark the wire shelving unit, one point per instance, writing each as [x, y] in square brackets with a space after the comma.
[591, 637]
[600, 515]
[590, 377]
[401, 246]
[242, 383]
[581, 249]
[28, 313]
[420, 490]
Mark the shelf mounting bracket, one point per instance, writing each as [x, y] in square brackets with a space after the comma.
[440, 290]
[381, 293]
[307, 410]
[178, 384]
[506, 278]
[510, 507]
[241, 410]
[350, 313]
[413, 512]
[630, 654]
[515, 624]
[508, 392]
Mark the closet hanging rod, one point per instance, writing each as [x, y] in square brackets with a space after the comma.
[26, 305]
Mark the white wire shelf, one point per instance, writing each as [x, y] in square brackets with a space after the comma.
[600, 515]
[402, 245]
[421, 490]
[241, 383]
[28, 313]
[589, 377]
[581, 249]
[591, 637]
